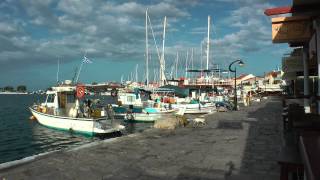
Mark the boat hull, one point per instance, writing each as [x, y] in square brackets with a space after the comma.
[196, 108]
[142, 117]
[85, 126]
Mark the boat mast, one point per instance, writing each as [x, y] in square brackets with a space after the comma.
[201, 59]
[187, 64]
[147, 50]
[58, 70]
[137, 72]
[192, 59]
[162, 61]
[208, 43]
[177, 60]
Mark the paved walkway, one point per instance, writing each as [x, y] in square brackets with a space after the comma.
[233, 145]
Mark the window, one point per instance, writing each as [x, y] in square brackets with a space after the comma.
[130, 99]
[50, 98]
[70, 98]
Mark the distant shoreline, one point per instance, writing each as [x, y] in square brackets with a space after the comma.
[6, 92]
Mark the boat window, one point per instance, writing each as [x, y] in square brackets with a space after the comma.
[70, 98]
[50, 98]
[130, 98]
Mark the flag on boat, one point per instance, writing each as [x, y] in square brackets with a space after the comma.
[86, 60]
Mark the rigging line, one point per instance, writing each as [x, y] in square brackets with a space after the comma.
[154, 39]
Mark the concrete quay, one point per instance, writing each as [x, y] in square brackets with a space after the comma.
[233, 145]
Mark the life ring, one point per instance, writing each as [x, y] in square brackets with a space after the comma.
[80, 91]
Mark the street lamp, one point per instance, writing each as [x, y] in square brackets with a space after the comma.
[240, 63]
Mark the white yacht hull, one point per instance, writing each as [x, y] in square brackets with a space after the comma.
[142, 117]
[86, 126]
[196, 108]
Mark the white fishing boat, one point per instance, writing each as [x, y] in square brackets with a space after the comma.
[142, 117]
[64, 109]
[127, 99]
[198, 108]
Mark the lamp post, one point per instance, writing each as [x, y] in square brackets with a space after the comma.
[240, 63]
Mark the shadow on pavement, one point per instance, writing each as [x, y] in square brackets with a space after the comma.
[264, 140]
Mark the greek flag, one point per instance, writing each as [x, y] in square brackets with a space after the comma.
[86, 60]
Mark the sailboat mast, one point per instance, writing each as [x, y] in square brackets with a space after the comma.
[137, 72]
[177, 60]
[192, 58]
[58, 70]
[162, 61]
[187, 64]
[147, 51]
[208, 43]
[201, 59]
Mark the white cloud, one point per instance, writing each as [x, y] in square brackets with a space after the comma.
[115, 30]
[76, 7]
[253, 32]
[134, 9]
[6, 28]
[69, 26]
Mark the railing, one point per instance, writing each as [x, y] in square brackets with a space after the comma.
[207, 82]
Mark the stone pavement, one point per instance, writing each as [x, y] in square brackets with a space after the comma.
[233, 145]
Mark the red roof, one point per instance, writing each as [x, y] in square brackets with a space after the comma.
[278, 10]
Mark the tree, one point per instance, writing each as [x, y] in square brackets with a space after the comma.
[22, 88]
[9, 88]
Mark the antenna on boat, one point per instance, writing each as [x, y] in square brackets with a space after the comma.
[75, 75]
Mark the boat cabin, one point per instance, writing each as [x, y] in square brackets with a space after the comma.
[129, 99]
[62, 101]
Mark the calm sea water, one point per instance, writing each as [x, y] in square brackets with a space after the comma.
[21, 137]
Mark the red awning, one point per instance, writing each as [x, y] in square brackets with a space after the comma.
[278, 10]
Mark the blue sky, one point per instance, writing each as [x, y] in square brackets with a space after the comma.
[35, 33]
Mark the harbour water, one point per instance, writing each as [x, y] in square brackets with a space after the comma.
[21, 137]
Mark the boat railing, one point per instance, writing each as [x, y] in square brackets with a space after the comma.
[207, 82]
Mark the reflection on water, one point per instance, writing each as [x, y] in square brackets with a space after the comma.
[47, 139]
[21, 137]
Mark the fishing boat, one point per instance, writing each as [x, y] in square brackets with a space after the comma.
[196, 108]
[126, 99]
[66, 109]
[142, 117]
